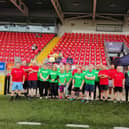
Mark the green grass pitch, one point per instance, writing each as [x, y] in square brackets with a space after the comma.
[54, 114]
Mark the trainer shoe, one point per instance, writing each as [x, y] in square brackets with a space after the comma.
[82, 100]
[41, 98]
[87, 101]
[114, 101]
[46, 97]
[11, 98]
[71, 99]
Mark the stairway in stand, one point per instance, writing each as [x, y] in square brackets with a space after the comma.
[45, 52]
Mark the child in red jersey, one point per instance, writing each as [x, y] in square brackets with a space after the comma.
[17, 81]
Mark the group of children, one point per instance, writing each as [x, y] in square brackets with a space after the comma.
[52, 81]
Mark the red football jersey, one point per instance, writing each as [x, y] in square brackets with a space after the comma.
[118, 79]
[104, 81]
[111, 73]
[25, 73]
[33, 76]
[17, 75]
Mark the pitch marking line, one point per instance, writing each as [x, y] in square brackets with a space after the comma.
[121, 128]
[77, 126]
[29, 123]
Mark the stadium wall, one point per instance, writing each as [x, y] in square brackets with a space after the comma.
[28, 28]
[87, 26]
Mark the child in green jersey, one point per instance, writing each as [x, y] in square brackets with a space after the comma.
[84, 72]
[61, 82]
[68, 79]
[44, 76]
[53, 80]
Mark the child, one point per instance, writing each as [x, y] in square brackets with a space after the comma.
[68, 79]
[53, 79]
[62, 82]
[44, 76]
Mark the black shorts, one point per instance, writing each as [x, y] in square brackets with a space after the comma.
[44, 84]
[38, 83]
[83, 88]
[53, 84]
[76, 89]
[49, 85]
[103, 87]
[118, 89]
[33, 84]
[25, 85]
[89, 88]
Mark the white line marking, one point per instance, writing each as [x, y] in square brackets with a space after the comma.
[121, 128]
[29, 123]
[77, 126]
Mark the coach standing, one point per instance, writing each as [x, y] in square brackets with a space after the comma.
[127, 84]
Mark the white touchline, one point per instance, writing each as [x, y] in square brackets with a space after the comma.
[121, 128]
[29, 123]
[77, 125]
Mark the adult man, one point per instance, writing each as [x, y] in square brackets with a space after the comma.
[78, 81]
[118, 83]
[111, 71]
[127, 84]
[25, 68]
[17, 81]
[103, 75]
[33, 79]
[90, 83]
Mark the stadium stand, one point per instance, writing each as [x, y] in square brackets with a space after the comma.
[87, 48]
[84, 48]
[17, 44]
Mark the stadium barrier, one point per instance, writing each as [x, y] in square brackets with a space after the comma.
[2, 84]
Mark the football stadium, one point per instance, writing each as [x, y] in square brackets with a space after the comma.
[64, 64]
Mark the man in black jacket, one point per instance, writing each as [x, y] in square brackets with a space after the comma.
[127, 84]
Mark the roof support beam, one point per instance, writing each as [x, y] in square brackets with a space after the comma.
[21, 6]
[94, 9]
[79, 17]
[108, 18]
[111, 14]
[75, 13]
[58, 10]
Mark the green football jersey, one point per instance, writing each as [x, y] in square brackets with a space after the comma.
[78, 79]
